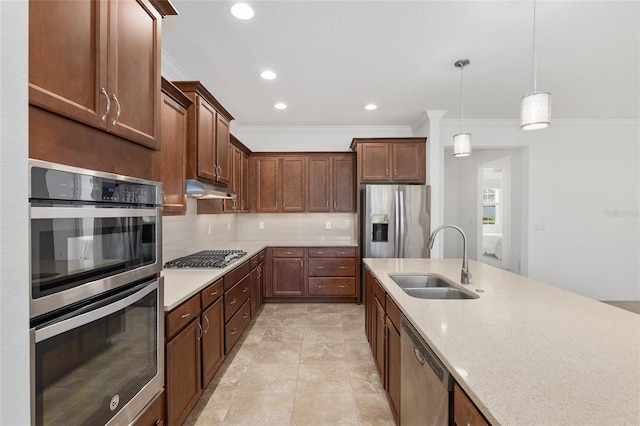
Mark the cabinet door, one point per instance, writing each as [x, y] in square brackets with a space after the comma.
[267, 184]
[374, 161]
[319, 191]
[173, 154]
[255, 291]
[212, 340]
[235, 158]
[288, 277]
[206, 128]
[183, 373]
[344, 184]
[244, 182]
[408, 162]
[392, 370]
[293, 184]
[464, 410]
[134, 71]
[379, 346]
[222, 150]
[69, 38]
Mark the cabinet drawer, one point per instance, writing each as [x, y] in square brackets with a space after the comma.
[288, 252]
[236, 275]
[393, 312]
[236, 326]
[332, 252]
[332, 267]
[211, 293]
[236, 296]
[332, 286]
[261, 256]
[253, 262]
[182, 315]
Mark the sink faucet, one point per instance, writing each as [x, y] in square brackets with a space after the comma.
[465, 274]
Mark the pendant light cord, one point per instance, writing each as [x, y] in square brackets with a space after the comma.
[534, 48]
[461, 100]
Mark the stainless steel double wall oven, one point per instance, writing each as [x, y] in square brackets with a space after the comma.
[96, 299]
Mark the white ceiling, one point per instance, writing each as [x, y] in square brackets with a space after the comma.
[333, 57]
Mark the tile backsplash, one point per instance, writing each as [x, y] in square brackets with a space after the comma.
[182, 235]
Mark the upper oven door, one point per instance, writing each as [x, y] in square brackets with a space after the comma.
[83, 250]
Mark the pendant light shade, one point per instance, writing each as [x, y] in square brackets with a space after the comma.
[535, 108]
[462, 141]
[462, 145]
[535, 111]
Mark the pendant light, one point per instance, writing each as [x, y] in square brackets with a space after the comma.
[535, 108]
[462, 141]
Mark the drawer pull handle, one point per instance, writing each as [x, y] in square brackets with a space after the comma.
[200, 327]
[342, 253]
[288, 252]
[206, 330]
[106, 113]
[319, 286]
[343, 286]
[186, 315]
[233, 301]
[114, 122]
[320, 252]
[234, 331]
[245, 316]
[342, 267]
[319, 267]
[245, 289]
[214, 292]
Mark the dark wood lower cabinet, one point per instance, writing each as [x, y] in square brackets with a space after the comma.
[392, 369]
[288, 277]
[183, 382]
[212, 340]
[465, 413]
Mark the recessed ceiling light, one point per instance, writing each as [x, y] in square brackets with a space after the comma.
[268, 75]
[280, 105]
[242, 11]
[370, 107]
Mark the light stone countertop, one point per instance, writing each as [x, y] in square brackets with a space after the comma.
[527, 353]
[181, 284]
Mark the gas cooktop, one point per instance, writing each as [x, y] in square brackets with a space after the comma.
[206, 259]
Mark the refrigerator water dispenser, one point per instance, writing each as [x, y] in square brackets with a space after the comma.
[380, 228]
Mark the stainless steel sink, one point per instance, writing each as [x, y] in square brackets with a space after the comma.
[430, 286]
[439, 293]
[421, 281]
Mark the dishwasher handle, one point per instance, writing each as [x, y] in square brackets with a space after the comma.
[425, 355]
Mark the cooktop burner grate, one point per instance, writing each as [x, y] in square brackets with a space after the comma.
[206, 259]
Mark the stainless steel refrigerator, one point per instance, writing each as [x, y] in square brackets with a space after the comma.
[395, 220]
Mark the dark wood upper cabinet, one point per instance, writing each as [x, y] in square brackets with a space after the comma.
[170, 161]
[319, 191]
[391, 159]
[112, 51]
[294, 178]
[267, 184]
[244, 183]
[207, 135]
[344, 184]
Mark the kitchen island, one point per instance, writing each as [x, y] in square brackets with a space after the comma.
[525, 352]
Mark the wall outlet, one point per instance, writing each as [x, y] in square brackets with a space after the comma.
[260, 225]
[209, 229]
[327, 225]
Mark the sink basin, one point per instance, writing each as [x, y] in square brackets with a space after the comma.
[421, 281]
[430, 286]
[439, 293]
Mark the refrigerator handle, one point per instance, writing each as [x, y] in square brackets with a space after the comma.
[396, 226]
[401, 235]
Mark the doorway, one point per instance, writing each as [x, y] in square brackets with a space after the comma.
[494, 213]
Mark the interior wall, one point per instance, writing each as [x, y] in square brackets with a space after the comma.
[582, 222]
[461, 200]
[15, 398]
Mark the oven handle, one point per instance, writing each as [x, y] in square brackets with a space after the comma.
[95, 311]
[83, 212]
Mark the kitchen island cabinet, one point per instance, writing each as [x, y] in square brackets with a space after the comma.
[529, 332]
[112, 50]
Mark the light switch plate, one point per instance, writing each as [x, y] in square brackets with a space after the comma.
[327, 225]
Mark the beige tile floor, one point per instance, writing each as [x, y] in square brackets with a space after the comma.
[298, 364]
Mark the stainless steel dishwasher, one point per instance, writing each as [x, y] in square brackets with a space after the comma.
[426, 384]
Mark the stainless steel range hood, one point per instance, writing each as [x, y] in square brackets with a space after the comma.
[207, 191]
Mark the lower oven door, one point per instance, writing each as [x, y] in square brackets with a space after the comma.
[102, 362]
